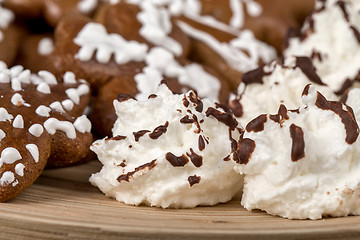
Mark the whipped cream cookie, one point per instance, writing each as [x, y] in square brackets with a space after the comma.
[41, 123]
[265, 88]
[304, 163]
[169, 151]
[331, 38]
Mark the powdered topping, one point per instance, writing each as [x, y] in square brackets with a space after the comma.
[94, 39]
[45, 46]
[186, 143]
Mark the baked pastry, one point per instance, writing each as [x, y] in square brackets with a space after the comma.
[331, 38]
[302, 164]
[263, 90]
[176, 153]
[41, 125]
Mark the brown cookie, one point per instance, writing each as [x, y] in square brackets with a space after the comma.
[41, 124]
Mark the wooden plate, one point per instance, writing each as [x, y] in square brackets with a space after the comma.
[63, 205]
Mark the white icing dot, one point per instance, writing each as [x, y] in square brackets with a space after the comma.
[34, 151]
[94, 38]
[69, 78]
[4, 115]
[43, 111]
[73, 95]
[17, 100]
[9, 155]
[16, 84]
[16, 70]
[52, 125]
[83, 89]
[18, 122]
[4, 78]
[16, 182]
[43, 88]
[82, 124]
[67, 104]
[86, 6]
[57, 107]
[19, 169]
[2, 134]
[7, 178]
[46, 46]
[36, 130]
[48, 77]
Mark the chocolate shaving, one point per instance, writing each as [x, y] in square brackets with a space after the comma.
[176, 161]
[186, 120]
[306, 66]
[236, 108]
[281, 116]
[227, 158]
[139, 134]
[225, 118]
[152, 96]
[124, 97]
[254, 76]
[257, 124]
[347, 116]
[201, 143]
[195, 158]
[116, 138]
[193, 180]
[244, 150]
[342, 6]
[196, 100]
[160, 130]
[126, 177]
[185, 101]
[298, 143]
[356, 33]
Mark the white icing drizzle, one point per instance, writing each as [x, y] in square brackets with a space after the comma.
[253, 8]
[82, 124]
[48, 77]
[4, 115]
[162, 62]
[94, 38]
[43, 111]
[18, 122]
[2, 134]
[19, 169]
[16, 182]
[233, 52]
[7, 178]
[36, 129]
[17, 100]
[43, 88]
[69, 78]
[52, 125]
[74, 94]
[57, 107]
[45, 46]
[34, 151]
[87, 6]
[9, 155]
[156, 26]
[67, 104]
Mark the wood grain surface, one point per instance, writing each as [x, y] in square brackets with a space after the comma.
[62, 204]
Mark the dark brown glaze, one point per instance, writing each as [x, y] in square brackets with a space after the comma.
[126, 177]
[225, 118]
[194, 180]
[306, 66]
[281, 116]
[298, 143]
[347, 116]
[201, 143]
[176, 161]
[139, 134]
[254, 76]
[160, 130]
[195, 158]
[245, 148]
[257, 124]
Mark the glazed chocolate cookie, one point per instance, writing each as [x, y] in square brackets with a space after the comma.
[10, 36]
[40, 124]
[51, 10]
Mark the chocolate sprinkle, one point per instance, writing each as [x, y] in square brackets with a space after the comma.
[225, 118]
[201, 143]
[185, 101]
[306, 66]
[193, 180]
[126, 177]
[347, 116]
[195, 159]
[160, 130]
[245, 148]
[257, 124]
[139, 134]
[298, 143]
[176, 161]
